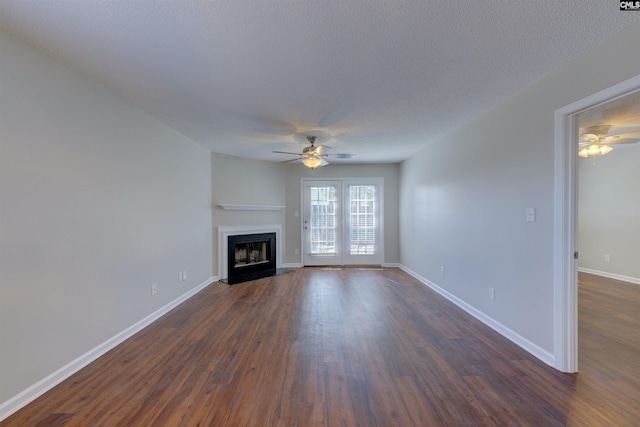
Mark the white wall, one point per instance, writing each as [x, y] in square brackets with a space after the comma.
[463, 200]
[609, 213]
[98, 201]
[240, 181]
[390, 173]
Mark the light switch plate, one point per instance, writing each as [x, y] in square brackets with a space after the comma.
[531, 214]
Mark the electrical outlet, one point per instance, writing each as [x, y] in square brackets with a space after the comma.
[297, 251]
[154, 289]
[180, 277]
[607, 258]
[442, 270]
[184, 276]
[492, 294]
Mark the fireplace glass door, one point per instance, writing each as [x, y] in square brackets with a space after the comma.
[250, 256]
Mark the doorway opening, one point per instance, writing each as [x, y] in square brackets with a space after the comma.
[565, 221]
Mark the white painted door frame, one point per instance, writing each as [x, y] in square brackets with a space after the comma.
[566, 219]
[316, 259]
[342, 257]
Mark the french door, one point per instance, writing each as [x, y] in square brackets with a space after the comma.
[342, 221]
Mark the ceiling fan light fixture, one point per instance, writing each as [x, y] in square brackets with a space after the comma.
[313, 156]
[594, 149]
[312, 162]
[595, 140]
[604, 149]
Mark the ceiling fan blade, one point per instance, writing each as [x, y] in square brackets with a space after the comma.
[291, 160]
[623, 141]
[343, 155]
[635, 133]
[286, 152]
[315, 151]
[589, 138]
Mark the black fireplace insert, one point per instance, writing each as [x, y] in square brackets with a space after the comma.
[250, 257]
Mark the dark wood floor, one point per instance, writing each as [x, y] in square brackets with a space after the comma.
[350, 347]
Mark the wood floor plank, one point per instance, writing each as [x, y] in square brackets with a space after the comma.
[350, 347]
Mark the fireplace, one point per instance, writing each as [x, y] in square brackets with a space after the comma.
[248, 252]
[251, 256]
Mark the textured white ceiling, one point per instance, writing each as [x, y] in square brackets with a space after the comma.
[623, 115]
[377, 78]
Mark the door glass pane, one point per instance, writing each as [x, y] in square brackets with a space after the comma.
[323, 220]
[362, 219]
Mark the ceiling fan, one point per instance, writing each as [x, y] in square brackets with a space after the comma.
[596, 140]
[313, 156]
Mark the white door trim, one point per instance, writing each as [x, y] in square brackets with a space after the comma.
[378, 258]
[565, 221]
[317, 259]
[378, 181]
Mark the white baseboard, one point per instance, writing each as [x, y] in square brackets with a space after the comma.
[615, 276]
[393, 264]
[26, 396]
[292, 265]
[299, 265]
[532, 348]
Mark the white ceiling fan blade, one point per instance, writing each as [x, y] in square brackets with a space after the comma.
[343, 155]
[286, 152]
[623, 141]
[313, 152]
[319, 150]
[635, 133]
[309, 155]
[291, 160]
[589, 138]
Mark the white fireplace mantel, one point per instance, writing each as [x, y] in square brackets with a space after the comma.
[229, 207]
[238, 230]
